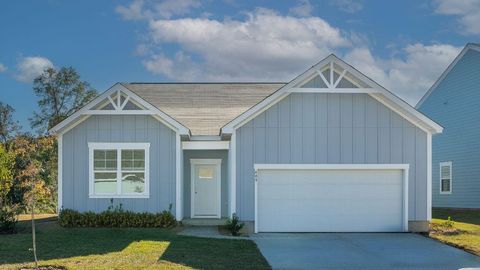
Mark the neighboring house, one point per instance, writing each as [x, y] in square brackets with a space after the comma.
[329, 151]
[454, 102]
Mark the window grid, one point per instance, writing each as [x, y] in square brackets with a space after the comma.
[446, 177]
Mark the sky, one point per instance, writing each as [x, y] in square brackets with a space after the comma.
[403, 45]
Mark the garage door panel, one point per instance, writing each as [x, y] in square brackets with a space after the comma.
[329, 200]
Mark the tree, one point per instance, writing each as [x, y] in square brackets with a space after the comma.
[8, 126]
[61, 93]
[35, 190]
[6, 174]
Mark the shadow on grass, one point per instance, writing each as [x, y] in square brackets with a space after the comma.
[206, 253]
[465, 216]
[55, 242]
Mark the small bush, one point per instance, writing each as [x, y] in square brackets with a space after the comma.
[116, 217]
[234, 225]
[448, 224]
[8, 219]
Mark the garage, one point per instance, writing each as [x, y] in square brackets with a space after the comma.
[331, 198]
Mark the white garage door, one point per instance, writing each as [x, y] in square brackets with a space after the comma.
[331, 200]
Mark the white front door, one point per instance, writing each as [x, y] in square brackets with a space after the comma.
[205, 188]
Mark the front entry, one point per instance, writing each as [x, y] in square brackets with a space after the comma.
[206, 181]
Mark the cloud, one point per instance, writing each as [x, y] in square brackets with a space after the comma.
[467, 11]
[149, 9]
[3, 68]
[349, 6]
[28, 68]
[264, 46]
[410, 76]
[304, 9]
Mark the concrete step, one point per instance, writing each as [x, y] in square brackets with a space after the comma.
[204, 221]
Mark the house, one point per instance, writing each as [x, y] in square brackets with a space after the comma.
[453, 101]
[330, 151]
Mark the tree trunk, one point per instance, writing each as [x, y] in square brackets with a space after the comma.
[33, 233]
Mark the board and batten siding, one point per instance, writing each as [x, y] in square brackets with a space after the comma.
[330, 128]
[454, 104]
[117, 128]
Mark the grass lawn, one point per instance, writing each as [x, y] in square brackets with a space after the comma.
[467, 224]
[111, 248]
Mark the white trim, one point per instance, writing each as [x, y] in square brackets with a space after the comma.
[178, 179]
[218, 168]
[404, 109]
[403, 167]
[60, 173]
[442, 164]
[205, 145]
[467, 47]
[233, 174]
[429, 176]
[331, 166]
[149, 110]
[334, 90]
[119, 112]
[118, 147]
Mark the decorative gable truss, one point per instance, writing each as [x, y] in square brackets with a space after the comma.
[333, 77]
[118, 100]
[119, 103]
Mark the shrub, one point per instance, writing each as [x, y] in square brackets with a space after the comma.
[116, 217]
[8, 219]
[234, 225]
[448, 224]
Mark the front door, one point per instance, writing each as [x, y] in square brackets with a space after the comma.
[205, 188]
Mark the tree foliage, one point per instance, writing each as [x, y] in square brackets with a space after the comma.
[6, 174]
[8, 126]
[61, 92]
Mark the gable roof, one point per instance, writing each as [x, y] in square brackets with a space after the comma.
[469, 46]
[203, 107]
[367, 85]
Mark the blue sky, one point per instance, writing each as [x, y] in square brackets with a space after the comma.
[404, 45]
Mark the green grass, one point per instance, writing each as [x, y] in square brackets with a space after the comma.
[115, 248]
[467, 223]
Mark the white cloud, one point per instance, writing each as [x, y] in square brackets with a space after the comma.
[408, 77]
[264, 46]
[349, 6]
[148, 9]
[3, 68]
[468, 12]
[304, 9]
[31, 67]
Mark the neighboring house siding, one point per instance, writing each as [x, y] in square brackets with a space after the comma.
[455, 104]
[119, 129]
[320, 128]
[204, 154]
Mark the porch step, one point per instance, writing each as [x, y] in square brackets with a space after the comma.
[204, 221]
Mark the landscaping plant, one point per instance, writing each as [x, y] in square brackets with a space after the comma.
[234, 225]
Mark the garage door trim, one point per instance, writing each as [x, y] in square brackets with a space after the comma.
[404, 167]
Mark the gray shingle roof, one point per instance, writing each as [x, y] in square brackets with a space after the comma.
[203, 107]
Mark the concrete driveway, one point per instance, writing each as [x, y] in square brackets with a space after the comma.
[360, 251]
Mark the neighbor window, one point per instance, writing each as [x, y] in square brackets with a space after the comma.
[446, 177]
[118, 170]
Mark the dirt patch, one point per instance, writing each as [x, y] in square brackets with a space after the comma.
[45, 267]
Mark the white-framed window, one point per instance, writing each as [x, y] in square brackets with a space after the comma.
[446, 177]
[119, 170]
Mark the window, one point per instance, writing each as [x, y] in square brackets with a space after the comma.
[446, 177]
[118, 170]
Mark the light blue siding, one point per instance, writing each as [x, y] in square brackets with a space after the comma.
[455, 104]
[204, 154]
[318, 128]
[119, 129]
